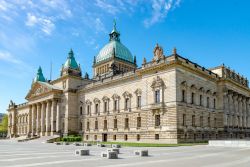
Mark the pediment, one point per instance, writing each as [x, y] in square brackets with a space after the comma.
[41, 88]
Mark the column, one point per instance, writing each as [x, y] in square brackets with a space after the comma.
[29, 121]
[38, 113]
[43, 110]
[53, 115]
[48, 111]
[33, 119]
[58, 117]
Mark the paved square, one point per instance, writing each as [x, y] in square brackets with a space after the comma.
[13, 154]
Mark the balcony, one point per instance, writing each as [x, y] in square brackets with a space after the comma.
[155, 106]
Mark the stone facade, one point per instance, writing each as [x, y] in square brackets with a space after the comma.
[167, 100]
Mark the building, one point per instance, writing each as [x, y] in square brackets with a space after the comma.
[169, 99]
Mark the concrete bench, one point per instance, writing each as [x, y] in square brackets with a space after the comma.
[113, 149]
[141, 153]
[58, 143]
[77, 144]
[100, 145]
[65, 143]
[82, 152]
[116, 146]
[110, 154]
[86, 144]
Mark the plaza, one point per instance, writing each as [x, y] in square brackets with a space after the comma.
[33, 153]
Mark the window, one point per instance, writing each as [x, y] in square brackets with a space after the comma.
[81, 110]
[96, 124]
[105, 124]
[115, 123]
[114, 137]
[193, 120]
[88, 109]
[208, 101]
[157, 136]
[157, 120]
[138, 122]
[192, 98]
[201, 121]
[87, 125]
[201, 100]
[87, 137]
[126, 104]
[80, 125]
[214, 103]
[208, 121]
[215, 122]
[157, 96]
[126, 123]
[96, 108]
[138, 137]
[105, 106]
[125, 137]
[116, 105]
[138, 101]
[184, 120]
[183, 96]
[95, 137]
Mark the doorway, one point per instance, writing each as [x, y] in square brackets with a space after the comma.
[104, 137]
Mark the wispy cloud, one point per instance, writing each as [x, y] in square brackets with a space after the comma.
[7, 57]
[160, 10]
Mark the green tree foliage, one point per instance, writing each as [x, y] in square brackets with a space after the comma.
[4, 124]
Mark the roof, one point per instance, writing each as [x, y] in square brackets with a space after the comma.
[39, 75]
[71, 62]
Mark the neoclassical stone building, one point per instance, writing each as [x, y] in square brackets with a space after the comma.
[169, 99]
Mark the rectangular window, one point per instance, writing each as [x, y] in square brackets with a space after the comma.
[87, 125]
[208, 101]
[96, 124]
[126, 104]
[214, 103]
[193, 120]
[138, 137]
[183, 96]
[114, 137]
[88, 109]
[96, 108]
[116, 105]
[157, 96]
[105, 106]
[125, 137]
[138, 122]
[201, 121]
[157, 120]
[201, 100]
[192, 98]
[95, 137]
[126, 123]
[81, 110]
[87, 137]
[208, 121]
[157, 136]
[105, 124]
[115, 123]
[138, 101]
[184, 120]
[215, 122]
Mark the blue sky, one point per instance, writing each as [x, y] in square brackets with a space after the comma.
[33, 33]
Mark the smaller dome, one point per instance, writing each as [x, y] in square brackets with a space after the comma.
[39, 75]
[71, 62]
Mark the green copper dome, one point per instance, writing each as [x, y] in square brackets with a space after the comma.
[114, 48]
[71, 62]
[39, 75]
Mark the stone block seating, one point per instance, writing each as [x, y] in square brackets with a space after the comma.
[110, 154]
[116, 146]
[65, 143]
[58, 143]
[100, 145]
[86, 144]
[113, 149]
[141, 153]
[82, 152]
[77, 144]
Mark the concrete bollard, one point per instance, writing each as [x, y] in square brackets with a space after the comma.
[82, 152]
[116, 146]
[77, 144]
[86, 144]
[141, 153]
[114, 149]
[100, 145]
[65, 143]
[110, 154]
[58, 143]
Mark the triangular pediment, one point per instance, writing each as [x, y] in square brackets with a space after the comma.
[41, 88]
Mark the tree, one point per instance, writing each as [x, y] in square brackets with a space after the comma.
[4, 124]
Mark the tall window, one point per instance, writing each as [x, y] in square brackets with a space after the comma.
[208, 101]
[138, 122]
[126, 103]
[201, 121]
[208, 121]
[115, 123]
[126, 123]
[183, 96]
[138, 137]
[96, 108]
[184, 120]
[105, 124]
[215, 122]
[88, 109]
[96, 124]
[87, 125]
[214, 103]
[157, 120]
[116, 105]
[201, 100]
[192, 98]
[80, 125]
[138, 101]
[81, 110]
[105, 106]
[157, 96]
[193, 120]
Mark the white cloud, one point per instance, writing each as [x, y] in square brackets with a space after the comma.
[160, 10]
[7, 57]
[31, 20]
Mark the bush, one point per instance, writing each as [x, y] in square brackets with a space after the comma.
[72, 138]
